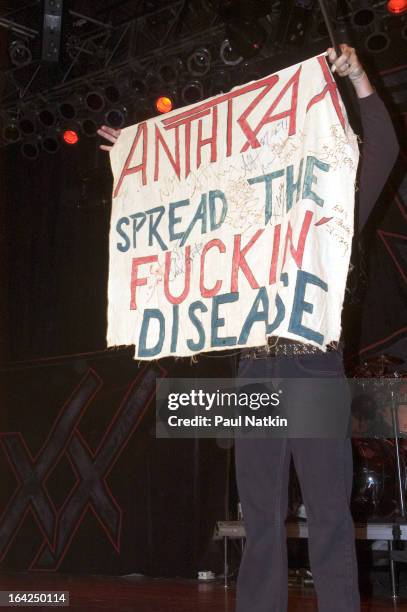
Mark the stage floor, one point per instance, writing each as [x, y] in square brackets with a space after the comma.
[138, 594]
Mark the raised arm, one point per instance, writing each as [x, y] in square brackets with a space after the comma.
[379, 143]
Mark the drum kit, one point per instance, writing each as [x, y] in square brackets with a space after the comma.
[379, 440]
[380, 462]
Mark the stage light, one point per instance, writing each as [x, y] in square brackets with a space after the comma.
[115, 117]
[47, 117]
[112, 93]
[30, 149]
[70, 137]
[68, 109]
[229, 55]
[363, 18]
[168, 72]
[89, 127]
[94, 101]
[377, 42]
[397, 7]
[192, 92]
[26, 124]
[50, 142]
[199, 62]
[20, 53]
[11, 133]
[164, 104]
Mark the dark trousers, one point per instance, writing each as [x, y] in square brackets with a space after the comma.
[324, 469]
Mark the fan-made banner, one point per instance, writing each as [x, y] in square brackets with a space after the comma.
[232, 219]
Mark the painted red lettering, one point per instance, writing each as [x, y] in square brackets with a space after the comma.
[141, 132]
[138, 282]
[208, 293]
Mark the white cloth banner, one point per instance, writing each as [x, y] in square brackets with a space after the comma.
[232, 219]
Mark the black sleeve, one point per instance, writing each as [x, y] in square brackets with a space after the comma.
[379, 152]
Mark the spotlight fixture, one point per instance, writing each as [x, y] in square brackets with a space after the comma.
[168, 72]
[199, 62]
[30, 149]
[192, 92]
[94, 101]
[20, 53]
[228, 54]
[363, 18]
[89, 127]
[71, 137]
[116, 117]
[397, 7]
[112, 93]
[50, 142]
[377, 42]
[27, 125]
[68, 109]
[11, 132]
[47, 117]
[164, 104]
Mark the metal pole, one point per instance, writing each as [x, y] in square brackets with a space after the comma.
[329, 26]
[225, 562]
[394, 590]
[395, 422]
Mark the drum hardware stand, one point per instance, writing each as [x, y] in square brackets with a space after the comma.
[397, 555]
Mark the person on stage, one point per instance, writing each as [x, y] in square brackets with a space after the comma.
[324, 466]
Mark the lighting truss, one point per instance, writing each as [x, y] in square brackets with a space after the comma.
[102, 49]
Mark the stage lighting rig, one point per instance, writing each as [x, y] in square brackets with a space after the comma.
[47, 117]
[95, 101]
[20, 53]
[192, 92]
[50, 142]
[168, 72]
[31, 149]
[27, 124]
[397, 7]
[89, 127]
[70, 137]
[228, 55]
[199, 62]
[164, 104]
[363, 18]
[11, 132]
[116, 117]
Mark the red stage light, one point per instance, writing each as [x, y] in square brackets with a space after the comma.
[397, 6]
[164, 104]
[71, 137]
